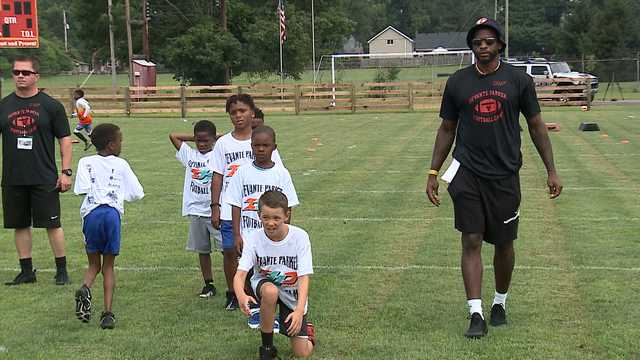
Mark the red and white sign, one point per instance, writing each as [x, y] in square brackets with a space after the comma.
[19, 24]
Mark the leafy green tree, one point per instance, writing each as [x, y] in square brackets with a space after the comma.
[199, 57]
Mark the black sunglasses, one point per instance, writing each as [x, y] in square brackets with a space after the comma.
[489, 41]
[23, 72]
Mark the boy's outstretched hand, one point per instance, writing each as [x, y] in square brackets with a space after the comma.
[295, 322]
[244, 300]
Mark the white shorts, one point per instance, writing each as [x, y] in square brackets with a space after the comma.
[200, 233]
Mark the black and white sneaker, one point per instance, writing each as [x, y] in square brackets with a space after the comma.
[498, 315]
[232, 302]
[208, 291]
[62, 277]
[87, 145]
[83, 304]
[268, 353]
[107, 320]
[23, 278]
[477, 327]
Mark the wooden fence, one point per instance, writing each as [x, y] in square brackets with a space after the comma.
[297, 98]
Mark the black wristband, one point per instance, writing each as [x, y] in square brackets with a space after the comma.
[215, 204]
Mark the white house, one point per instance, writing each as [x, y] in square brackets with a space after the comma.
[390, 40]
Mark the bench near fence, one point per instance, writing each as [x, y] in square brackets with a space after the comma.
[297, 98]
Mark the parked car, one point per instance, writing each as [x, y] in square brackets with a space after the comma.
[540, 68]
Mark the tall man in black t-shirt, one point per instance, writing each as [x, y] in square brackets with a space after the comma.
[30, 120]
[480, 110]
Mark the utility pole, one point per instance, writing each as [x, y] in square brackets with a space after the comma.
[313, 40]
[638, 69]
[114, 78]
[146, 14]
[127, 14]
[66, 28]
[506, 22]
[495, 10]
[223, 26]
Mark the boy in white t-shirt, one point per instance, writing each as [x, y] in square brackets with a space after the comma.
[246, 187]
[196, 195]
[231, 151]
[252, 180]
[280, 256]
[108, 182]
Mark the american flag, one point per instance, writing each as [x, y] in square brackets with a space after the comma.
[283, 25]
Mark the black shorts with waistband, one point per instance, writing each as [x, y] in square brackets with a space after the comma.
[35, 206]
[489, 207]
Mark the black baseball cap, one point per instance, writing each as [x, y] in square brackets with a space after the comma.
[485, 22]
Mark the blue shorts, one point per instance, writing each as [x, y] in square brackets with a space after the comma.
[101, 229]
[226, 229]
[86, 127]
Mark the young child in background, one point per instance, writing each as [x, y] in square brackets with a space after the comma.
[83, 112]
[108, 182]
[231, 151]
[196, 196]
[246, 187]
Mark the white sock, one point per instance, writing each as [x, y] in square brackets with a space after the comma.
[500, 299]
[475, 306]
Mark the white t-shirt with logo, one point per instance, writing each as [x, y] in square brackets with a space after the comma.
[196, 194]
[279, 262]
[228, 155]
[249, 183]
[106, 180]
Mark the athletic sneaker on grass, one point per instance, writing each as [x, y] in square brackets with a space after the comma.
[107, 320]
[477, 327]
[23, 278]
[232, 302]
[62, 277]
[498, 315]
[83, 304]
[268, 353]
[208, 291]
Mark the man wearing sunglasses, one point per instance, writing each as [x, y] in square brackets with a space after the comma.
[481, 106]
[30, 121]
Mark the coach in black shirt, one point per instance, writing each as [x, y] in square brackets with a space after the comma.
[480, 109]
[30, 121]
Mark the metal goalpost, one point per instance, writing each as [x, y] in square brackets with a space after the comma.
[462, 54]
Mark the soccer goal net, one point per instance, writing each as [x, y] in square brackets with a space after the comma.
[417, 66]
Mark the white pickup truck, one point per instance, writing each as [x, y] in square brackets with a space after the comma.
[543, 69]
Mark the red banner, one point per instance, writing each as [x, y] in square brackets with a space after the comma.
[19, 24]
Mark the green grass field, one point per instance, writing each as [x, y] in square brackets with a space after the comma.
[387, 283]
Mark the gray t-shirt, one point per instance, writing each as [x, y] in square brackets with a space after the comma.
[279, 262]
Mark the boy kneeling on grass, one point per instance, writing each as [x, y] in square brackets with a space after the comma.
[108, 182]
[280, 256]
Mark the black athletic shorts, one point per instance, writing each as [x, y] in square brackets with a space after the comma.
[35, 206]
[284, 312]
[484, 206]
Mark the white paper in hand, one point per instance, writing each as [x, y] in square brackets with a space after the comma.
[451, 171]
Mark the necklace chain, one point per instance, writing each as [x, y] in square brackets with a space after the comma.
[486, 73]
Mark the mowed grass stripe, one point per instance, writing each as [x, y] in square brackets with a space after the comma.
[575, 311]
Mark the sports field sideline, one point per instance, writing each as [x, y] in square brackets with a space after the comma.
[387, 283]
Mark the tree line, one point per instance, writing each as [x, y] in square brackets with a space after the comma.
[187, 38]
